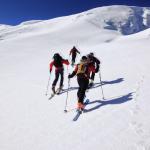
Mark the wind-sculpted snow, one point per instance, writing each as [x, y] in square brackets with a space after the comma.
[125, 19]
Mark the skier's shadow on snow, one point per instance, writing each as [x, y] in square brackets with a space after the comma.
[96, 85]
[113, 81]
[70, 89]
[112, 101]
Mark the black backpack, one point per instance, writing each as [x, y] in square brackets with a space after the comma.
[57, 60]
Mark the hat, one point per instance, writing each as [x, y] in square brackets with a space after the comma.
[92, 54]
[83, 59]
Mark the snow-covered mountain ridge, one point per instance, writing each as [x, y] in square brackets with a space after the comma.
[29, 121]
[124, 19]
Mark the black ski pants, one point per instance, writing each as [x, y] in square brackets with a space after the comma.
[83, 85]
[74, 57]
[58, 73]
[93, 76]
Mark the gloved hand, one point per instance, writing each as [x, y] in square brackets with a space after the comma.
[50, 71]
[69, 76]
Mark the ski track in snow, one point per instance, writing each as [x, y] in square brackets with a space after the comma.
[136, 124]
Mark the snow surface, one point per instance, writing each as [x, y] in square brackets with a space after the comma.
[28, 121]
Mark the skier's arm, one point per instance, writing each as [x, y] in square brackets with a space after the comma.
[97, 69]
[78, 52]
[51, 66]
[97, 65]
[73, 73]
[65, 61]
[97, 61]
[70, 52]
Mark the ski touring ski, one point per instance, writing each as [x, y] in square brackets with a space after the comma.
[79, 112]
[52, 95]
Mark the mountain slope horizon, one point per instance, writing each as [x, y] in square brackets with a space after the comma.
[129, 20]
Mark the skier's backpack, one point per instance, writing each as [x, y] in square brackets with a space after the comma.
[82, 68]
[57, 60]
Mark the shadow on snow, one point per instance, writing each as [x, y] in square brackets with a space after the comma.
[112, 101]
[96, 85]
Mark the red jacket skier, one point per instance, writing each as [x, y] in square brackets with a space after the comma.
[59, 70]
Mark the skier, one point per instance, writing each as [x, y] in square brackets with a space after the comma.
[82, 70]
[74, 52]
[59, 70]
[95, 62]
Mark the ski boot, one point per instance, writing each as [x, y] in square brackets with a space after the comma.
[53, 89]
[59, 89]
[80, 106]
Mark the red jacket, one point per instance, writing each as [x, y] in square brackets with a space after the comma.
[66, 62]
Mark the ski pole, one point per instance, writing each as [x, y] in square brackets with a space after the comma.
[101, 84]
[48, 84]
[65, 110]
[67, 70]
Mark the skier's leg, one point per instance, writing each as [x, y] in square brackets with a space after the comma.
[55, 81]
[73, 58]
[83, 85]
[62, 78]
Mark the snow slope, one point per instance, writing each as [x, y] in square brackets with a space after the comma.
[120, 121]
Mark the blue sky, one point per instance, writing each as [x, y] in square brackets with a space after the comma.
[13, 12]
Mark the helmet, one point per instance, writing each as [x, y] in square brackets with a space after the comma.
[92, 54]
[83, 59]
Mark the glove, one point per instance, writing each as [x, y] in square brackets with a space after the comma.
[69, 76]
[50, 71]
